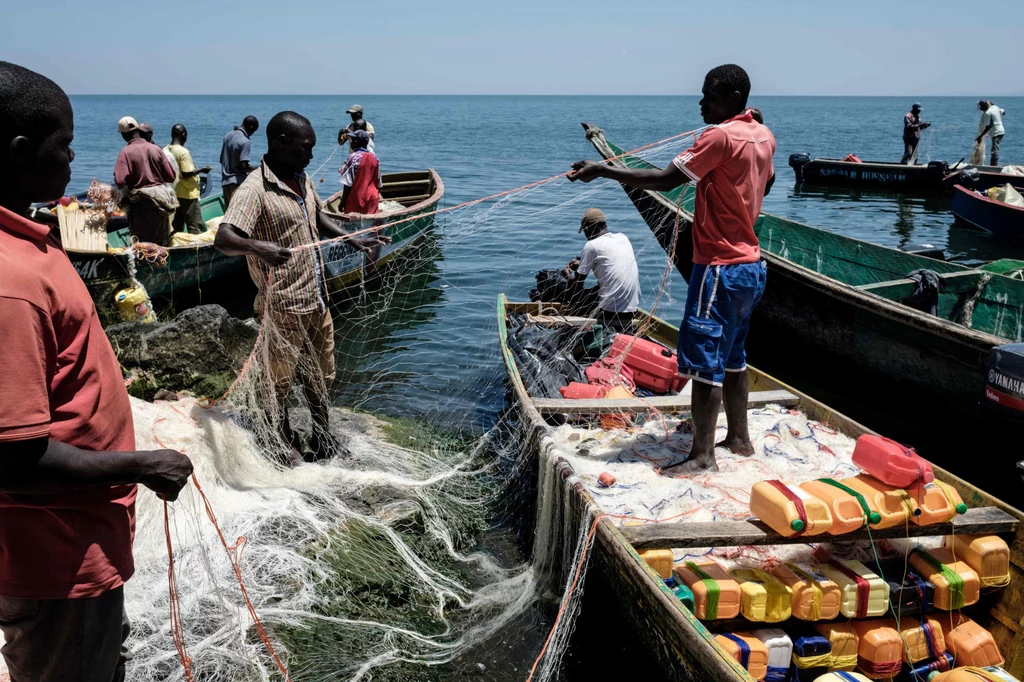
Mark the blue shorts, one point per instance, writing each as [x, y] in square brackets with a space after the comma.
[719, 302]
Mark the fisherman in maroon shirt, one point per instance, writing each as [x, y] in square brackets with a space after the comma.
[141, 171]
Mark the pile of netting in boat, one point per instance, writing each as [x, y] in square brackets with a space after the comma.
[352, 564]
[787, 446]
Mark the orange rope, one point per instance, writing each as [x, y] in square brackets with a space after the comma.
[177, 628]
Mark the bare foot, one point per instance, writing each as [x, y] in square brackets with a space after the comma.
[292, 457]
[326, 446]
[737, 446]
[692, 467]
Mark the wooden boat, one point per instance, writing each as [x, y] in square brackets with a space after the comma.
[682, 645]
[918, 178]
[980, 180]
[836, 302]
[419, 192]
[162, 271]
[1003, 221]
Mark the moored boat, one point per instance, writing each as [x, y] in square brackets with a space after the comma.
[896, 177]
[838, 303]
[569, 445]
[413, 197]
[1002, 220]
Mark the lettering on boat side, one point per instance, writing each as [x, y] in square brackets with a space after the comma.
[840, 172]
[884, 177]
[89, 269]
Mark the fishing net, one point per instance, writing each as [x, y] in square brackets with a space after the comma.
[438, 543]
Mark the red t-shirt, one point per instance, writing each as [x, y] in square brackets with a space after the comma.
[361, 172]
[731, 164]
[59, 378]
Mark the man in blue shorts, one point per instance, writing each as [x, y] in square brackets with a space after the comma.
[731, 163]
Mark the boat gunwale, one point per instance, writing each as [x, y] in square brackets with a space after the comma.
[434, 197]
[981, 197]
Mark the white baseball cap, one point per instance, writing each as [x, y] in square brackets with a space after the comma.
[127, 124]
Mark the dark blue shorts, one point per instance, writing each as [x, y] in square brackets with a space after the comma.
[719, 302]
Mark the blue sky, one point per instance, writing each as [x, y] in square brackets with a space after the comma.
[790, 47]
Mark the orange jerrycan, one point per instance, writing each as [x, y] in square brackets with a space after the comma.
[890, 462]
[789, 510]
[849, 508]
[923, 640]
[611, 422]
[970, 643]
[894, 506]
[715, 594]
[660, 560]
[938, 502]
[763, 597]
[844, 643]
[879, 649]
[864, 593]
[987, 555]
[956, 585]
[748, 650]
[973, 674]
[815, 596]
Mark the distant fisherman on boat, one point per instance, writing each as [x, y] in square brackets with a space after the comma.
[234, 157]
[992, 125]
[609, 255]
[912, 127]
[358, 123]
[189, 216]
[145, 177]
[361, 177]
[68, 463]
[731, 163]
[274, 218]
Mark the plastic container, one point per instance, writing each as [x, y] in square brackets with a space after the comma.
[844, 643]
[684, 594]
[972, 674]
[849, 508]
[812, 657]
[842, 677]
[789, 510]
[922, 639]
[815, 596]
[655, 367]
[914, 597]
[610, 422]
[890, 462]
[577, 391]
[780, 650]
[938, 503]
[715, 594]
[879, 649]
[763, 597]
[748, 650]
[956, 585]
[134, 305]
[987, 555]
[864, 593]
[660, 560]
[970, 643]
[894, 506]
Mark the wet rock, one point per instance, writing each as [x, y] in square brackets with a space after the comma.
[200, 351]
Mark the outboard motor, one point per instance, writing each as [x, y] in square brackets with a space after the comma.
[797, 162]
[939, 167]
[967, 179]
[1004, 385]
[552, 286]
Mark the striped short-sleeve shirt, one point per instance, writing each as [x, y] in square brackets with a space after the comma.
[266, 209]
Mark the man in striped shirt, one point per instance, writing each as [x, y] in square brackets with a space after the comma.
[275, 220]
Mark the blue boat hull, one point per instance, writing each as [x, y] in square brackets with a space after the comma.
[1002, 221]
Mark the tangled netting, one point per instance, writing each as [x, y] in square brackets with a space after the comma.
[382, 563]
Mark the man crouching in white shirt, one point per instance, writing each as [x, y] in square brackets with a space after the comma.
[609, 255]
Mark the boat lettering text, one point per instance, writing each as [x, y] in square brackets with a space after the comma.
[88, 269]
[1007, 383]
[884, 177]
[841, 172]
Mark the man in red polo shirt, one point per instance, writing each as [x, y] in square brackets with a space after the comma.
[68, 465]
[731, 163]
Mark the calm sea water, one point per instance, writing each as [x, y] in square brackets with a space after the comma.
[432, 350]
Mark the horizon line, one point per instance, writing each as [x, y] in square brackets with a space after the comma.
[458, 94]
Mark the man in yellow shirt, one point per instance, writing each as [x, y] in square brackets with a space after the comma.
[189, 215]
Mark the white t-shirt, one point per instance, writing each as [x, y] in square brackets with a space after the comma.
[610, 257]
[993, 115]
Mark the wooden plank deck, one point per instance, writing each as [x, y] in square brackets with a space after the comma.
[666, 403]
[978, 521]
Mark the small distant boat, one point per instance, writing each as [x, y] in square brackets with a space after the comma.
[1003, 221]
[418, 193]
[923, 178]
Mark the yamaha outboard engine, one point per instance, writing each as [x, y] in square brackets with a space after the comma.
[798, 161]
[1004, 385]
[940, 167]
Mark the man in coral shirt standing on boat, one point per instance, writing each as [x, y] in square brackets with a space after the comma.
[731, 163]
